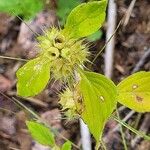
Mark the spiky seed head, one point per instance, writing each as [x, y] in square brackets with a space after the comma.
[70, 101]
[64, 53]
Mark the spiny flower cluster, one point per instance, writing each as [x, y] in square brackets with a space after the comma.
[64, 53]
[71, 101]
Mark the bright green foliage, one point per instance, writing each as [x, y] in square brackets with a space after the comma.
[41, 133]
[92, 96]
[66, 146]
[25, 8]
[85, 19]
[134, 91]
[33, 77]
[44, 136]
[64, 8]
[99, 101]
[60, 52]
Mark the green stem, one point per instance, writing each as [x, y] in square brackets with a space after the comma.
[13, 58]
[122, 134]
[139, 133]
[107, 41]
[103, 144]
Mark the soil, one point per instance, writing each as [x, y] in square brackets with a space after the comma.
[17, 40]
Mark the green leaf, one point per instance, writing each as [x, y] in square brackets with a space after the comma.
[66, 146]
[26, 8]
[56, 147]
[99, 100]
[85, 19]
[33, 77]
[40, 133]
[134, 91]
[64, 8]
[95, 36]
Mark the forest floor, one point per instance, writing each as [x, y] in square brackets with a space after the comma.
[16, 40]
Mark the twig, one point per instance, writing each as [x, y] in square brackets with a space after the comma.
[110, 40]
[36, 102]
[137, 120]
[144, 128]
[12, 148]
[142, 61]
[128, 12]
[137, 132]
[121, 108]
[109, 52]
[126, 118]
[118, 126]
[35, 33]
[101, 50]
[85, 136]
[3, 109]
[103, 145]
[33, 100]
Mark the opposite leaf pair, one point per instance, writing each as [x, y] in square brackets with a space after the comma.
[63, 55]
[100, 97]
[61, 51]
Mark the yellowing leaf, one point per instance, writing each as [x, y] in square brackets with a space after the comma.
[40, 133]
[134, 91]
[86, 19]
[33, 77]
[99, 100]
